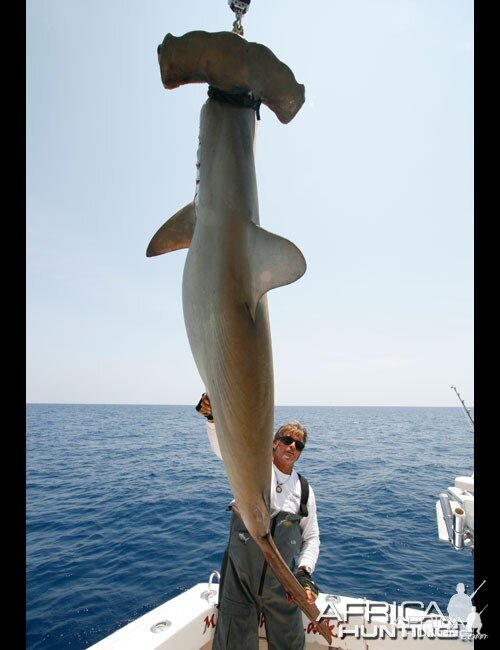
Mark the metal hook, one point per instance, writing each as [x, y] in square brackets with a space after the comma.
[239, 7]
[238, 27]
[209, 593]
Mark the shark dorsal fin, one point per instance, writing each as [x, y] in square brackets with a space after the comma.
[274, 262]
[175, 234]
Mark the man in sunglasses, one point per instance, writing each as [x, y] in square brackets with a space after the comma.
[247, 588]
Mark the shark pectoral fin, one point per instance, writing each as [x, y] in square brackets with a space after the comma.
[274, 261]
[175, 234]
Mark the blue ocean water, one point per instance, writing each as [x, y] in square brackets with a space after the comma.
[126, 509]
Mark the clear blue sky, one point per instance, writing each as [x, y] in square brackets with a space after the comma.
[373, 180]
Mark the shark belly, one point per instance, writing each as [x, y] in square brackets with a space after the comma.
[234, 358]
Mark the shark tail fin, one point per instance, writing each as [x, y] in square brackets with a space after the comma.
[291, 585]
[274, 262]
[175, 234]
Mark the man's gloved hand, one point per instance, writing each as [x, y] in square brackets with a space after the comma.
[205, 408]
[304, 577]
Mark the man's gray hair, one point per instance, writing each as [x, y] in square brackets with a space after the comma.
[289, 429]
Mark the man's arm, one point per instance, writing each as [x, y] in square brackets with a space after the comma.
[212, 438]
[205, 408]
[309, 549]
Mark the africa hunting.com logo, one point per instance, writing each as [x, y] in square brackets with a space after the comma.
[409, 619]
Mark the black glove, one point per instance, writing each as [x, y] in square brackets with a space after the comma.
[304, 577]
[209, 416]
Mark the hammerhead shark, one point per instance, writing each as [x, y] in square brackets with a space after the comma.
[231, 264]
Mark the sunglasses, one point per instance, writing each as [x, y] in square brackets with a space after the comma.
[287, 440]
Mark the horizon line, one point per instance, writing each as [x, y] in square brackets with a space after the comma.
[280, 405]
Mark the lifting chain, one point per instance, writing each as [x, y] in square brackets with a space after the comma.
[240, 7]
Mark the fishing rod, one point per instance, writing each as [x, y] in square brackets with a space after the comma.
[465, 408]
[475, 592]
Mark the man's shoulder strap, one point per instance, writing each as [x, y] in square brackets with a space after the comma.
[304, 486]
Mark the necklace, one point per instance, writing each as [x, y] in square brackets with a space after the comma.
[278, 485]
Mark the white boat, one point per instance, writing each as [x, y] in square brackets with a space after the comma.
[455, 514]
[187, 622]
[455, 507]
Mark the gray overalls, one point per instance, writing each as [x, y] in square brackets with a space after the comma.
[248, 588]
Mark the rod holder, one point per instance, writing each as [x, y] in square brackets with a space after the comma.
[448, 516]
[458, 527]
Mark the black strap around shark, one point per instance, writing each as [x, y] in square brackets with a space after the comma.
[245, 100]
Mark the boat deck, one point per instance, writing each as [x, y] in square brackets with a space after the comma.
[187, 622]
